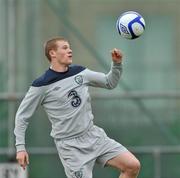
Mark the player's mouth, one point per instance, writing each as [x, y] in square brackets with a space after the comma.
[70, 55]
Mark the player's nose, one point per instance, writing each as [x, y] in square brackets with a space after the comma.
[69, 51]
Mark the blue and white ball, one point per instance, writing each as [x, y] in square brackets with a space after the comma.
[130, 25]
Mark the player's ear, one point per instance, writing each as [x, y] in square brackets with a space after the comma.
[52, 53]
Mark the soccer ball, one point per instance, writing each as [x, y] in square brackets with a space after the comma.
[130, 25]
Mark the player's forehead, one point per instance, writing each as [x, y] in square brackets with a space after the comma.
[62, 43]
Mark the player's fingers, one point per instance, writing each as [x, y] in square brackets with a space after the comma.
[113, 50]
[25, 162]
[21, 161]
[116, 52]
[118, 55]
[113, 54]
[27, 159]
[22, 164]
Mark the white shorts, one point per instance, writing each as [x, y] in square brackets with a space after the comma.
[78, 155]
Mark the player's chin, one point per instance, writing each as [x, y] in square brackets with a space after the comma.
[69, 61]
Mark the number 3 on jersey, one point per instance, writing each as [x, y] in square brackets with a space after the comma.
[75, 99]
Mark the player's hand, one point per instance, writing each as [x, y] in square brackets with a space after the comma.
[22, 158]
[116, 55]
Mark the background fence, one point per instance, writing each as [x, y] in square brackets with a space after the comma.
[142, 112]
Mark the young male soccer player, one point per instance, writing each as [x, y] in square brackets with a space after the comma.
[63, 92]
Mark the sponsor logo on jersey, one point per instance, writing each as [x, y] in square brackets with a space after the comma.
[79, 79]
[75, 98]
[56, 88]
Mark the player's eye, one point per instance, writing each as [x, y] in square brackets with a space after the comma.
[66, 47]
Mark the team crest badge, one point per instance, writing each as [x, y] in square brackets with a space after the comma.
[79, 79]
[78, 174]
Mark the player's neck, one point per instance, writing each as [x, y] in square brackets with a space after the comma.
[59, 68]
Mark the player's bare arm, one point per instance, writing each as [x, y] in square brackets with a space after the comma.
[116, 55]
[22, 158]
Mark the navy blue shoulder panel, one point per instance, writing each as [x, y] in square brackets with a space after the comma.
[51, 76]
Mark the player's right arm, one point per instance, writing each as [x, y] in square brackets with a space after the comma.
[26, 109]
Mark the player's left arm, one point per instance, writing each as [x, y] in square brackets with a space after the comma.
[110, 80]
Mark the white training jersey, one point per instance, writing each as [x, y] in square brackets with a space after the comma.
[66, 100]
